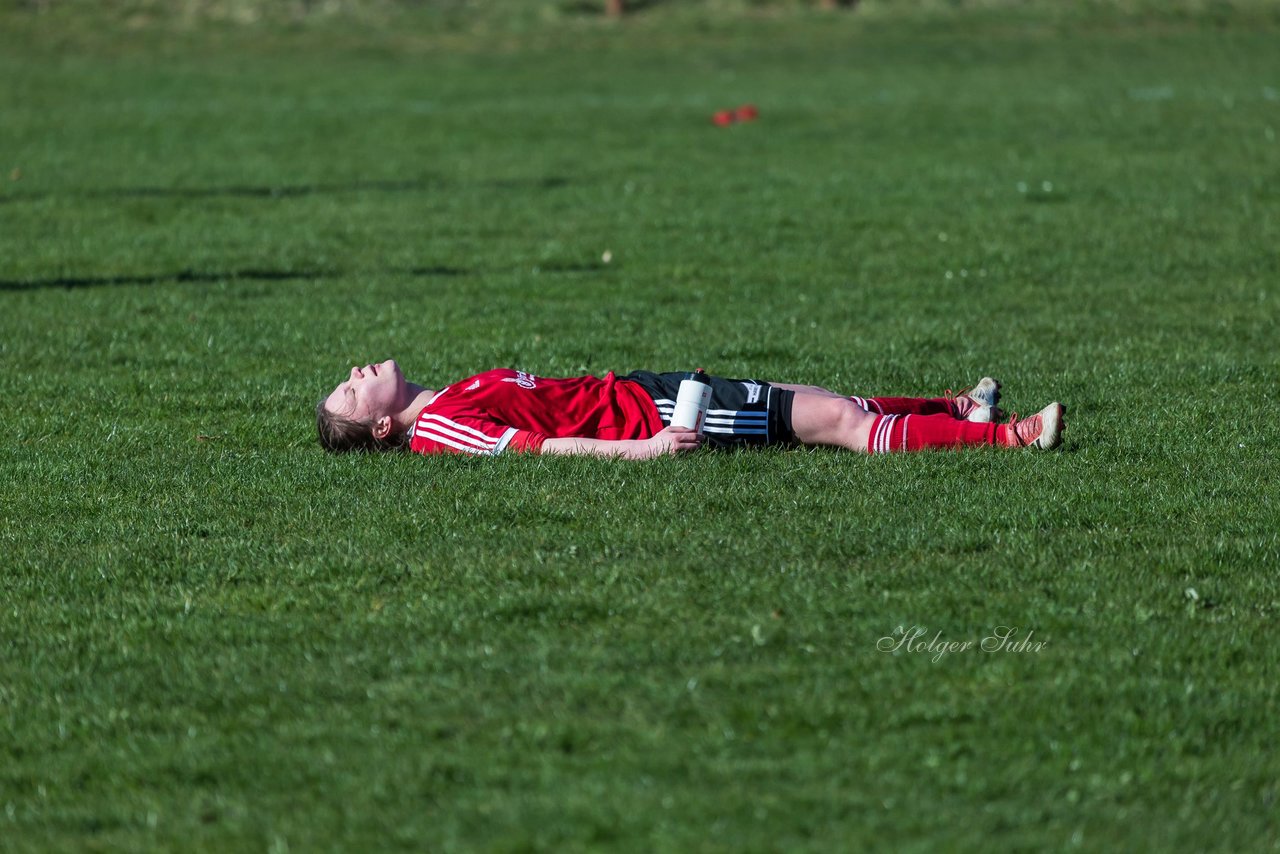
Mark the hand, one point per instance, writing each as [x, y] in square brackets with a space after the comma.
[672, 440]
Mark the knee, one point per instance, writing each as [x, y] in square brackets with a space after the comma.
[832, 421]
[849, 419]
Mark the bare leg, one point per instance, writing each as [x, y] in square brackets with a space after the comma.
[883, 405]
[841, 423]
[810, 389]
[830, 419]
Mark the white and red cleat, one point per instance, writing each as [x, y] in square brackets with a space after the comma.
[1042, 431]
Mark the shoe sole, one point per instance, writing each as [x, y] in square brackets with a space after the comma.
[1053, 423]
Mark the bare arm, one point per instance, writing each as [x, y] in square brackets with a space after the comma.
[672, 440]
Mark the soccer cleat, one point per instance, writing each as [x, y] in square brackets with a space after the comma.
[1042, 430]
[977, 404]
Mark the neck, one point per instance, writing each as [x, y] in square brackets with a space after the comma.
[418, 397]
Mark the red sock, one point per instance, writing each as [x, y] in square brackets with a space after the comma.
[906, 405]
[914, 432]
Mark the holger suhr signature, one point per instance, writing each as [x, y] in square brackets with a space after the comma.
[1001, 639]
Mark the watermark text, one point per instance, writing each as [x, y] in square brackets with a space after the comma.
[919, 640]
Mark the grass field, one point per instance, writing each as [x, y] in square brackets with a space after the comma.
[215, 637]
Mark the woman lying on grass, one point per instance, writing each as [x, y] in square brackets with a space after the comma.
[375, 409]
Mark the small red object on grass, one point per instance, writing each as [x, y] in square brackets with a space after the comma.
[746, 113]
[722, 118]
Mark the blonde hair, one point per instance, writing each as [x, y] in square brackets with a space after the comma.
[340, 435]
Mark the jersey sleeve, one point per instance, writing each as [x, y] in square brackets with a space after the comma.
[459, 432]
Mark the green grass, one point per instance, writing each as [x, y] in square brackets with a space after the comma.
[213, 636]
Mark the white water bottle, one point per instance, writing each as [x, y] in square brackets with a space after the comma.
[692, 401]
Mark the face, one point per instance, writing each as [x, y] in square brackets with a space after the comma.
[370, 393]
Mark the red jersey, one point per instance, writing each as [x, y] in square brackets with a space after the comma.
[503, 408]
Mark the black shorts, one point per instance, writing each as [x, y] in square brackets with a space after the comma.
[742, 412]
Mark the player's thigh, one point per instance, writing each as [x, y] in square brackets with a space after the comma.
[807, 389]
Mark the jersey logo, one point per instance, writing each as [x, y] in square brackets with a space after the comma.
[475, 385]
[522, 379]
[753, 392]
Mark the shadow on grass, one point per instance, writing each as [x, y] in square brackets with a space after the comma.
[569, 267]
[438, 270]
[595, 8]
[158, 278]
[182, 276]
[287, 191]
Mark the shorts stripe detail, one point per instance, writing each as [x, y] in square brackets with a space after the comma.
[744, 417]
[738, 413]
[737, 423]
[726, 413]
[735, 429]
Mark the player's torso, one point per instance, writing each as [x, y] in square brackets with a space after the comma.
[572, 406]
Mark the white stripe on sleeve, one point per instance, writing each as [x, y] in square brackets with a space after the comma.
[444, 440]
[460, 428]
[433, 430]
